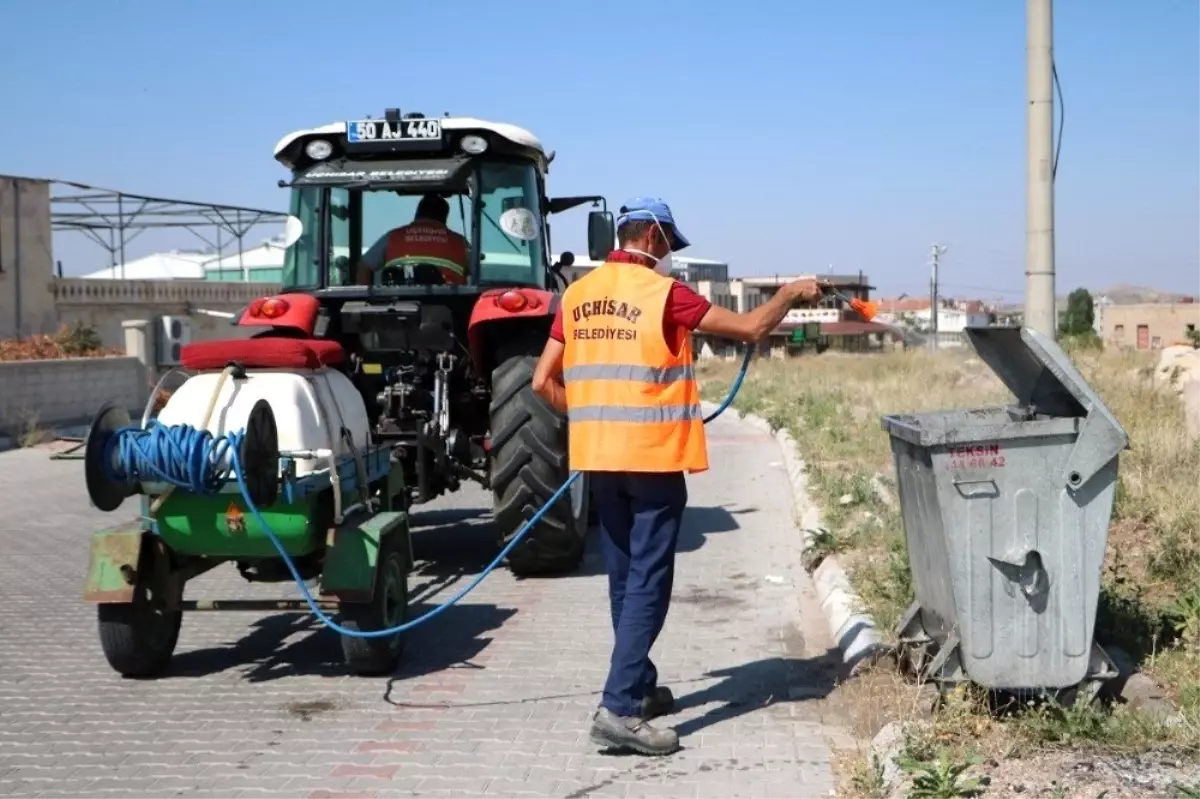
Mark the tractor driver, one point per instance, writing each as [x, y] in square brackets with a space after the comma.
[426, 239]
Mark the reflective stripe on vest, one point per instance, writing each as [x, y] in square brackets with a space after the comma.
[633, 402]
[628, 413]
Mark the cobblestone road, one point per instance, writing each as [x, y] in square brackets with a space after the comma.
[493, 698]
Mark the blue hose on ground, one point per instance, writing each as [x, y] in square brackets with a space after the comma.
[191, 459]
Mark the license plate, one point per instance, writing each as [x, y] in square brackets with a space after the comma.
[380, 130]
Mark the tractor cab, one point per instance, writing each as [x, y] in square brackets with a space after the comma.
[356, 182]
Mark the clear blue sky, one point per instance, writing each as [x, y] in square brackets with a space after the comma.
[787, 136]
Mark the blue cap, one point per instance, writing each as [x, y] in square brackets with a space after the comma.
[651, 209]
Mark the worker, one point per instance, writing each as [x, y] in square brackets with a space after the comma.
[425, 240]
[618, 363]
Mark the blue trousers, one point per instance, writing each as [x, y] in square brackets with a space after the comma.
[640, 515]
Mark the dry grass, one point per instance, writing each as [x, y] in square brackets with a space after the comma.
[1150, 603]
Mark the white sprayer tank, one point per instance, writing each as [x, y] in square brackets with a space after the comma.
[310, 409]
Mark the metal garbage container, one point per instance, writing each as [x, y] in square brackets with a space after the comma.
[1006, 513]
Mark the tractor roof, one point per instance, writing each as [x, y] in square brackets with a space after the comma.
[514, 134]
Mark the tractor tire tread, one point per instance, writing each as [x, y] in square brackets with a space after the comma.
[124, 641]
[529, 463]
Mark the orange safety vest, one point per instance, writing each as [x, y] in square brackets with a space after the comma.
[632, 398]
[428, 242]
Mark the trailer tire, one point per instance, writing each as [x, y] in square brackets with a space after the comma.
[138, 638]
[528, 464]
[369, 657]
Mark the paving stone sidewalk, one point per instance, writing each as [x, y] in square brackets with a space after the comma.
[493, 698]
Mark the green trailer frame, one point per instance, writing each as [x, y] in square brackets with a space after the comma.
[138, 570]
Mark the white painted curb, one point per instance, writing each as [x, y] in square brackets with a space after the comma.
[853, 630]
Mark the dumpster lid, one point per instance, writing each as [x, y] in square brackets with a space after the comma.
[1037, 371]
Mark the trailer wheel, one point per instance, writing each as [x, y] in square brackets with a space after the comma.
[388, 607]
[529, 463]
[139, 637]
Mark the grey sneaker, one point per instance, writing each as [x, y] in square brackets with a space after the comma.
[610, 731]
[659, 703]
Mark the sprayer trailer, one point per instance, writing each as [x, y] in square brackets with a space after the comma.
[370, 384]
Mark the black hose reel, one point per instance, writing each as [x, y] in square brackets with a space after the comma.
[258, 455]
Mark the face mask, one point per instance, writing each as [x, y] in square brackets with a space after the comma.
[661, 265]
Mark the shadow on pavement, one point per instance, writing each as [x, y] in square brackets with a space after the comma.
[759, 684]
[265, 654]
[449, 544]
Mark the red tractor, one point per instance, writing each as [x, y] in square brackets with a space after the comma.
[444, 368]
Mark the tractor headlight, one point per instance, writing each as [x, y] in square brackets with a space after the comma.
[319, 149]
[473, 145]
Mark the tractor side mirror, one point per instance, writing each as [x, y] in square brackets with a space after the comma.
[602, 234]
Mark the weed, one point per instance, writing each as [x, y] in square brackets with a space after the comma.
[943, 778]
[30, 433]
[78, 340]
[867, 778]
[1182, 791]
[821, 544]
[1184, 614]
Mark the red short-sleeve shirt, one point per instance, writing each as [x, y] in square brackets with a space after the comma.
[685, 308]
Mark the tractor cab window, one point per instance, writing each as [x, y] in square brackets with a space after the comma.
[499, 216]
[383, 211]
[510, 225]
[302, 261]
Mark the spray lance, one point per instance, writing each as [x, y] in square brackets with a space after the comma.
[864, 308]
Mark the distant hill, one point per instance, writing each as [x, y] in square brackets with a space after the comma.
[1125, 294]
[1120, 294]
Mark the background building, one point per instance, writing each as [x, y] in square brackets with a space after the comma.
[261, 264]
[1148, 325]
[953, 317]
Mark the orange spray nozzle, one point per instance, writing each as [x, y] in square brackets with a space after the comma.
[864, 308]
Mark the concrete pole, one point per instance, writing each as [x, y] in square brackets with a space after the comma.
[935, 254]
[1040, 312]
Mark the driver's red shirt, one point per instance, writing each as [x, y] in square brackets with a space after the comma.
[685, 308]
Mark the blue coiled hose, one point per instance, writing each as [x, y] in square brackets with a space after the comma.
[194, 459]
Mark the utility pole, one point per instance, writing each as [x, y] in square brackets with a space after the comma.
[935, 255]
[1039, 176]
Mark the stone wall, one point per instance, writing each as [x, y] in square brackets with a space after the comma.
[106, 304]
[45, 394]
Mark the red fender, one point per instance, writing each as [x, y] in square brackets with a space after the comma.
[501, 305]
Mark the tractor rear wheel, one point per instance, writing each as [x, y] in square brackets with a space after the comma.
[529, 463]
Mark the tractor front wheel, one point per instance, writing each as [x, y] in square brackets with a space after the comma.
[388, 608]
[529, 463]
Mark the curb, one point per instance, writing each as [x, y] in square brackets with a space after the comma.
[853, 630]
